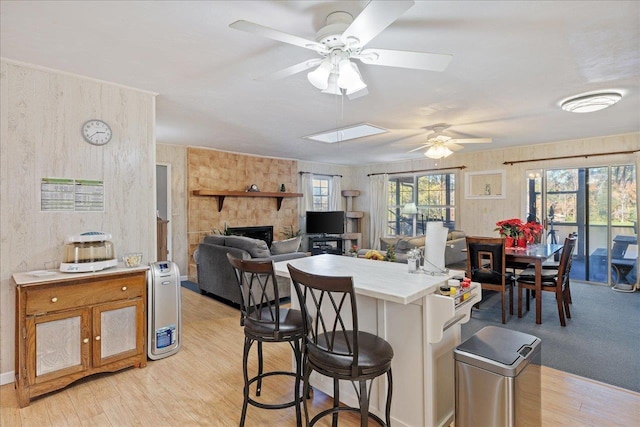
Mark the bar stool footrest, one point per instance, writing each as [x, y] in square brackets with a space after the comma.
[273, 405]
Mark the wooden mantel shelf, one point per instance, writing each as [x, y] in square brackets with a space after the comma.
[222, 194]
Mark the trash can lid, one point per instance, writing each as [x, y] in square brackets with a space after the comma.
[502, 350]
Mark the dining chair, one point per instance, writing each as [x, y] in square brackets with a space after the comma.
[264, 320]
[552, 264]
[335, 347]
[552, 281]
[486, 264]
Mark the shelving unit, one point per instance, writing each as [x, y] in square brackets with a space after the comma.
[325, 245]
[220, 195]
[354, 233]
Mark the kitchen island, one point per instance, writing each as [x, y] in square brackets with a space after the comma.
[422, 326]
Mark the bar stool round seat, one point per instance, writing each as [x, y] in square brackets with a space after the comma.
[290, 326]
[374, 356]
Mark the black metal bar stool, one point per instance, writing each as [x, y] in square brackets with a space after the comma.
[265, 321]
[335, 347]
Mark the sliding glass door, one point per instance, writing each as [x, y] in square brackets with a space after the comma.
[600, 205]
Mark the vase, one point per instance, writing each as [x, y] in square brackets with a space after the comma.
[508, 242]
[521, 242]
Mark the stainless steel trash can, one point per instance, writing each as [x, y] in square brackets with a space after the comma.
[497, 376]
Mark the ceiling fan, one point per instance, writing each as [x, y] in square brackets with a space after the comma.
[342, 40]
[440, 145]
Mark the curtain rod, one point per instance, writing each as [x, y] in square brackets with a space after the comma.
[316, 173]
[570, 157]
[418, 170]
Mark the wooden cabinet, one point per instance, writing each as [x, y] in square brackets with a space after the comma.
[69, 326]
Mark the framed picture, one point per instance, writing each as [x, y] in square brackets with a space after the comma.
[485, 185]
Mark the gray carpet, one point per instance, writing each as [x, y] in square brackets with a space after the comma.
[601, 340]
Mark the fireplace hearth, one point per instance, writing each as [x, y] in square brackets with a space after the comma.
[262, 232]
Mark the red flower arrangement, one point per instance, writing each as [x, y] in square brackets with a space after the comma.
[510, 227]
[516, 229]
[531, 230]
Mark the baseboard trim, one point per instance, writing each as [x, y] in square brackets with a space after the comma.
[7, 377]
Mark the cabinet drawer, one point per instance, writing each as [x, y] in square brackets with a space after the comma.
[63, 297]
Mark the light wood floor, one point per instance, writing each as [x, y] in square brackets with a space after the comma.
[202, 386]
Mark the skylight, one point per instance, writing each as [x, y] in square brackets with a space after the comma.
[346, 133]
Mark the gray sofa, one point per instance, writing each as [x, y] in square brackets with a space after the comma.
[453, 253]
[215, 275]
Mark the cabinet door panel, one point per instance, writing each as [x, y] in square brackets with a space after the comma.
[60, 344]
[116, 328]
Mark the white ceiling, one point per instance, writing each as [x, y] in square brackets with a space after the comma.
[514, 61]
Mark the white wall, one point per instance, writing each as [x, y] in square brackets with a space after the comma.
[41, 114]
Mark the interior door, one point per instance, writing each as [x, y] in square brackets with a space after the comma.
[163, 200]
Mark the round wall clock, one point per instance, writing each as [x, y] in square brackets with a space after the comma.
[96, 132]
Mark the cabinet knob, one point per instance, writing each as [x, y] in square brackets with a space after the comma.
[54, 299]
[98, 338]
[124, 288]
[86, 340]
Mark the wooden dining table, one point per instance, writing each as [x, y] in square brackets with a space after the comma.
[536, 255]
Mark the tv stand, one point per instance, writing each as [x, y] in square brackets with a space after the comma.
[325, 244]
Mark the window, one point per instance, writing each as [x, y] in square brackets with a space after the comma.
[321, 194]
[434, 196]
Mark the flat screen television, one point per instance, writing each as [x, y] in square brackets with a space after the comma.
[325, 222]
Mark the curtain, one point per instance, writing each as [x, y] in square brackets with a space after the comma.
[335, 193]
[378, 207]
[307, 199]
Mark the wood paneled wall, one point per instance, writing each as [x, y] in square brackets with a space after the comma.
[217, 170]
[41, 114]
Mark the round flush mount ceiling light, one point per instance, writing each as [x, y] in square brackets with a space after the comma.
[591, 102]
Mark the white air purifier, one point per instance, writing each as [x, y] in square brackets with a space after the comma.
[164, 310]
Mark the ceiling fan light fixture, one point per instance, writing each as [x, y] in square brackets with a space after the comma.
[320, 76]
[438, 151]
[590, 103]
[357, 84]
[332, 86]
[349, 76]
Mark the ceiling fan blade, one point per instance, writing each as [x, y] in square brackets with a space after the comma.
[406, 59]
[420, 148]
[375, 17]
[270, 33]
[359, 94]
[289, 71]
[470, 140]
[453, 146]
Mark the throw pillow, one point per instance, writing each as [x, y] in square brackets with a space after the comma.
[385, 242]
[402, 246]
[285, 246]
[417, 241]
[257, 248]
[456, 234]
